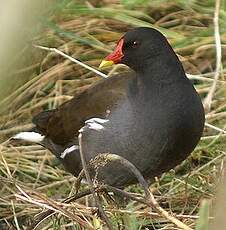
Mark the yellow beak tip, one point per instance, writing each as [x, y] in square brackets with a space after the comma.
[105, 63]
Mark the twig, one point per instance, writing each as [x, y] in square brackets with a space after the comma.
[131, 168]
[150, 200]
[52, 206]
[190, 76]
[215, 128]
[201, 77]
[209, 97]
[153, 214]
[73, 60]
[16, 129]
[78, 180]
[14, 215]
[215, 137]
[38, 219]
[220, 134]
[123, 193]
[88, 178]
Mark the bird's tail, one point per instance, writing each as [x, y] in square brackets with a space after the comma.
[36, 134]
[67, 154]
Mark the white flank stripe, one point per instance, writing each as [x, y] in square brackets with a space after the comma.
[95, 123]
[96, 120]
[69, 150]
[29, 136]
[95, 126]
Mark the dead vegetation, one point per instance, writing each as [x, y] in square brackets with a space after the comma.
[31, 178]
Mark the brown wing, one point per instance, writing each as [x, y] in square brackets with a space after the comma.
[62, 124]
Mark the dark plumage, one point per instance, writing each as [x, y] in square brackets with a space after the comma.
[156, 117]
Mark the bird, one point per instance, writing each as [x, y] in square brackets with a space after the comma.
[150, 115]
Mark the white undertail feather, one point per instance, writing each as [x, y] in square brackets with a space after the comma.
[29, 136]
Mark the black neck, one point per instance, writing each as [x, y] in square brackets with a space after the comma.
[156, 73]
[167, 69]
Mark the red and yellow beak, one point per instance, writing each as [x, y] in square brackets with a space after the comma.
[115, 57]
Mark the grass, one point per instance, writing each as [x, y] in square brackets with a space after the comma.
[32, 179]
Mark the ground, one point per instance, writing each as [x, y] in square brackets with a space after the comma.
[32, 179]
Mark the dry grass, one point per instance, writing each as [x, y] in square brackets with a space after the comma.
[31, 178]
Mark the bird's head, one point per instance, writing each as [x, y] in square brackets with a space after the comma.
[137, 48]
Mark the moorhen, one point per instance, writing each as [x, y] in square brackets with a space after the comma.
[152, 115]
